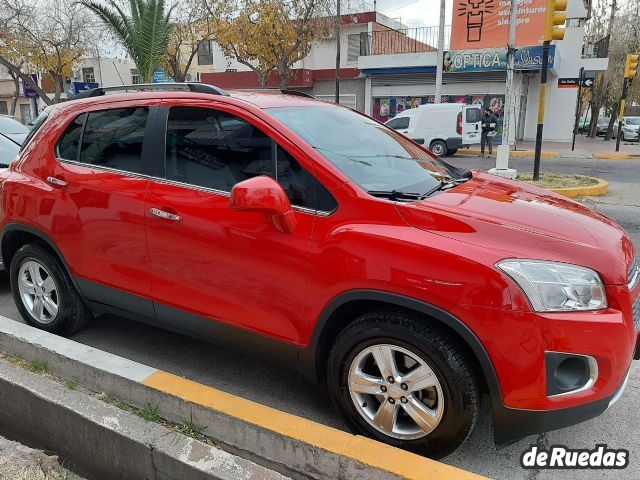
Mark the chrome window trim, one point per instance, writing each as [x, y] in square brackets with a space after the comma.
[593, 374]
[634, 275]
[310, 211]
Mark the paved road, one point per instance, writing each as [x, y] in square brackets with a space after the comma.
[271, 385]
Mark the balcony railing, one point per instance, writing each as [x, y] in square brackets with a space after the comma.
[595, 47]
[388, 41]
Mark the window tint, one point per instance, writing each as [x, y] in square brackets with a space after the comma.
[70, 140]
[399, 123]
[214, 149]
[113, 138]
[473, 115]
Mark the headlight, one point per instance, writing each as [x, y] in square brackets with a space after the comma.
[557, 287]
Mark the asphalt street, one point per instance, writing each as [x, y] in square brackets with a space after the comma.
[279, 388]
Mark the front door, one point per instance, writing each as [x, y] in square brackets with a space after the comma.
[210, 261]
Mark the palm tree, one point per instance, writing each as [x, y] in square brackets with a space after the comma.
[145, 32]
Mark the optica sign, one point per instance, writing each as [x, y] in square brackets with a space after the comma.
[527, 58]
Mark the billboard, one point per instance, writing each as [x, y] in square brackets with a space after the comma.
[527, 58]
[481, 24]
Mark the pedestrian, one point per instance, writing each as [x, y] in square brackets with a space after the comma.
[489, 124]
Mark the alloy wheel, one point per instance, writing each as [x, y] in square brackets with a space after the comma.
[38, 292]
[396, 391]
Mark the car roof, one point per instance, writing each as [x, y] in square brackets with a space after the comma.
[258, 98]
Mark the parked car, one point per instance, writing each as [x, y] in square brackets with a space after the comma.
[8, 151]
[603, 125]
[311, 234]
[444, 127]
[630, 126]
[13, 129]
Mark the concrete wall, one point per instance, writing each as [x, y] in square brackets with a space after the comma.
[347, 87]
[7, 91]
[108, 71]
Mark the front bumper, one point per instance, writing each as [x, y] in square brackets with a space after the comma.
[511, 425]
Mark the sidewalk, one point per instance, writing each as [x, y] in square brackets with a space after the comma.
[585, 148]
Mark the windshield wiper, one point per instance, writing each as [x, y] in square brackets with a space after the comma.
[395, 195]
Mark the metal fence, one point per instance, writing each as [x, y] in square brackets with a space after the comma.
[389, 41]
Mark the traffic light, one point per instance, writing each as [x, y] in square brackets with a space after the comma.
[631, 66]
[555, 16]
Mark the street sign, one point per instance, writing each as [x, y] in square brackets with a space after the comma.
[160, 76]
[587, 82]
[568, 82]
[29, 92]
[82, 86]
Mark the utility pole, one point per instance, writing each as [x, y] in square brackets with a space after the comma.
[576, 124]
[440, 57]
[338, 25]
[630, 72]
[502, 157]
[555, 16]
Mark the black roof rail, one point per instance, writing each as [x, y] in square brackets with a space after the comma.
[190, 86]
[295, 92]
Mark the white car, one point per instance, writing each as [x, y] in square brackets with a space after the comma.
[13, 129]
[441, 127]
[630, 127]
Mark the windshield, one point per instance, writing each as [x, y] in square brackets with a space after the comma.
[632, 120]
[11, 125]
[8, 151]
[372, 155]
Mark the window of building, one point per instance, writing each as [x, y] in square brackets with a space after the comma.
[205, 55]
[88, 75]
[3, 108]
[135, 77]
[69, 142]
[113, 138]
[215, 149]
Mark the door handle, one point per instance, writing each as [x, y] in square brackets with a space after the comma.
[165, 215]
[56, 182]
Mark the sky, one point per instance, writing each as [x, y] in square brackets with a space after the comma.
[415, 13]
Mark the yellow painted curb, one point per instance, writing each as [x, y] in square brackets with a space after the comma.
[364, 450]
[616, 156]
[599, 189]
[512, 153]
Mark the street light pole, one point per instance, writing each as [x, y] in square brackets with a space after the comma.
[440, 57]
[502, 156]
[338, 25]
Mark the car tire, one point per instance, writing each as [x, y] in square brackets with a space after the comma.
[452, 151]
[451, 403]
[439, 147]
[44, 293]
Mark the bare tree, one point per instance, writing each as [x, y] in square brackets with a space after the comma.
[191, 28]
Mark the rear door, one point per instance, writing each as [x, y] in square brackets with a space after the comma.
[471, 124]
[100, 181]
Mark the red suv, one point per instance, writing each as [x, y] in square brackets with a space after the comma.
[312, 234]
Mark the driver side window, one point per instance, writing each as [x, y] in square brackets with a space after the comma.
[215, 149]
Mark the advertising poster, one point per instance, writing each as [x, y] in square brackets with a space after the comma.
[485, 23]
[400, 105]
[384, 107]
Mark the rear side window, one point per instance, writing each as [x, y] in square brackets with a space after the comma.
[473, 115]
[114, 138]
[69, 142]
[36, 126]
[399, 123]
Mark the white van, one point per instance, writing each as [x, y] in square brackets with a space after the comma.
[442, 127]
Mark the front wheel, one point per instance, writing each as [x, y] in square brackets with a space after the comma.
[438, 147]
[398, 381]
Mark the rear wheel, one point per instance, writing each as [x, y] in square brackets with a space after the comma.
[44, 294]
[438, 147]
[401, 382]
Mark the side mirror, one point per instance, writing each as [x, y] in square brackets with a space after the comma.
[263, 194]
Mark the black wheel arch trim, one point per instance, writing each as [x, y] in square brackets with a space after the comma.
[21, 227]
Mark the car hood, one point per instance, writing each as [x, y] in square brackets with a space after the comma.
[518, 220]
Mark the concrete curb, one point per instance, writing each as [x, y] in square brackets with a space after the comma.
[616, 156]
[278, 440]
[597, 190]
[104, 442]
[512, 154]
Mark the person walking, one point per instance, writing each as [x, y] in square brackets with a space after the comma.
[489, 124]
